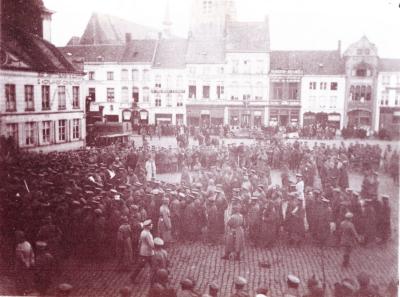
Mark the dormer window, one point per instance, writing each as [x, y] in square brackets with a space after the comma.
[359, 52]
[366, 52]
[361, 72]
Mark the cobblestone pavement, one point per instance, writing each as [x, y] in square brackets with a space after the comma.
[202, 261]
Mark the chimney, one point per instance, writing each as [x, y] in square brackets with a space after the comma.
[128, 38]
[46, 23]
[339, 44]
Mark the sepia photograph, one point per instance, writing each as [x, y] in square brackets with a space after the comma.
[199, 148]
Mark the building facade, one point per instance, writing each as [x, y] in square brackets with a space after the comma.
[388, 96]
[42, 107]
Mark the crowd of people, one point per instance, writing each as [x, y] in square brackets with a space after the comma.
[105, 203]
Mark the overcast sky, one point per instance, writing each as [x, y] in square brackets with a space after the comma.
[294, 24]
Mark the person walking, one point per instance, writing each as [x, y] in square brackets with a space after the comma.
[349, 237]
[234, 234]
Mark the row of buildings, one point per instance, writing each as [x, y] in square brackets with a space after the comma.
[224, 73]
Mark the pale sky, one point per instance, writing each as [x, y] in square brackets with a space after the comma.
[294, 24]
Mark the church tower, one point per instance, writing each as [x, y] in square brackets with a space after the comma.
[209, 17]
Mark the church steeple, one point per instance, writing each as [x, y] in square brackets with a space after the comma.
[167, 24]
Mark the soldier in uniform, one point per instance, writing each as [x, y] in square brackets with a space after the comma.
[146, 248]
[160, 257]
[240, 283]
[164, 222]
[348, 238]
[253, 220]
[124, 245]
[161, 286]
[234, 241]
[187, 286]
[43, 268]
[384, 220]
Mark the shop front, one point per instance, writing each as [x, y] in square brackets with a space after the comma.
[322, 119]
[248, 117]
[163, 118]
[284, 116]
[359, 118]
[389, 119]
[205, 115]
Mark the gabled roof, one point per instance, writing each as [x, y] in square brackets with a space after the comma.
[170, 53]
[134, 51]
[205, 51]
[29, 52]
[363, 43]
[311, 62]
[247, 37]
[139, 51]
[106, 29]
[389, 65]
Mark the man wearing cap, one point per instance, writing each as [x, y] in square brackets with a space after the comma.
[43, 268]
[254, 219]
[234, 235]
[384, 220]
[124, 245]
[161, 286]
[146, 248]
[348, 238]
[240, 283]
[160, 257]
[293, 283]
[212, 220]
[187, 286]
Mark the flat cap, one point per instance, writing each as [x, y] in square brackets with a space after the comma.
[240, 281]
[158, 241]
[293, 279]
[147, 223]
[348, 215]
[65, 287]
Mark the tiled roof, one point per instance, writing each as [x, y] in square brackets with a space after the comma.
[247, 37]
[171, 53]
[134, 51]
[139, 51]
[311, 62]
[94, 53]
[106, 29]
[389, 65]
[205, 51]
[30, 52]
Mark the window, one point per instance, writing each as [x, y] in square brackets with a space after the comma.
[29, 133]
[124, 74]
[220, 70]
[366, 51]
[322, 102]
[46, 131]
[110, 95]
[62, 130]
[359, 52]
[332, 103]
[125, 95]
[361, 72]
[277, 90]
[135, 75]
[62, 104]
[312, 100]
[10, 97]
[110, 75]
[260, 66]
[168, 99]
[45, 97]
[111, 107]
[92, 94]
[360, 93]
[384, 98]
[247, 66]
[234, 91]
[158, 100]
[135, 94]
[192, 92]
[168, 81]
[146, 75]
[76, 128]
[334, 86]
[322, 85]
[75, 97]
[313, 85]
[179, 100]
[207, 7]
[259, 94]
[293, 91]
[29, 99]
[158, 81]
[235, 66]
[398, 79]
[368, 94]
[179, 81]
[206, 70]
[91, 75]
[206, 92]
[220, 91]
[386, 80]
[12, 131]
[146, 94]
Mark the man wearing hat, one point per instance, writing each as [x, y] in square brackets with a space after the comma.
[160, 257]
[164, 221]
[293, 283]
[240, 283]
[348, 238]
[187, 286]
[146, 248]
